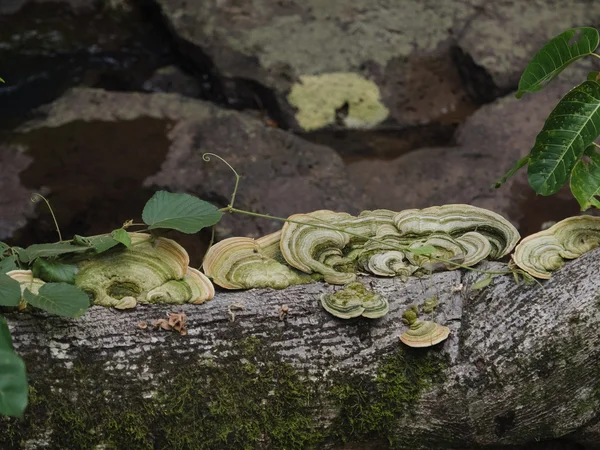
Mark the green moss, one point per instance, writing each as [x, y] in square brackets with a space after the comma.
[370, 407]
[245, 398]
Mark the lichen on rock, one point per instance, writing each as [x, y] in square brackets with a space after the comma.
[345, 96]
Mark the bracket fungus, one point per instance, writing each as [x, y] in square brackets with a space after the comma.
[355, 300]
[542, 253]
[315, 249]
[338, 246]
[422, 333]
[457, 220]
[26, 281]
[245, 263]
[150, 271]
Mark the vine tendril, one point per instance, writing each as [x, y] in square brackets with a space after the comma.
[206, 157]
[35, 198]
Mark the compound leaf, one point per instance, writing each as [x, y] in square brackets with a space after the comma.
[122, 236]
[518, 165]
[182, 212]
[13, 384]
[9, 263]
[585, 180]
[10, 291]
[61, 299]
[569, 130]
[54, 271]
[555, 56]
[48, 250]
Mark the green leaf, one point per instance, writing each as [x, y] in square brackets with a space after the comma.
[9, 263]
[10, 291]
[1, 80]
[103, 242]
[424, 250]
[555, 56]
[5, 337]
[593, 76]
[61, 299]
[122, 236]
[518, 166]
[585, 180]
[54, 271]
[484, 282]
[3, 248]
[81, 241]
[13, 384]
[569, 129]
[181, 212]
[47, 250]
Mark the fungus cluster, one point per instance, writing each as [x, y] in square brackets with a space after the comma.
[151, 270]
[338, 246]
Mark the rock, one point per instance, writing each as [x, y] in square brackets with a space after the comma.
[503, 36]
[405, 63]
[171, 79]
[15, 207]
[488, 144]
[102, 154]
[13, 6]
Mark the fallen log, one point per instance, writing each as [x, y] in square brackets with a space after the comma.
[272, 369]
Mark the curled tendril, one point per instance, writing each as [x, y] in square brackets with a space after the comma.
[206, 157]
[37, 197]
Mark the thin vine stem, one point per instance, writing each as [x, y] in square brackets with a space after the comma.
[597, 145]
[341, 230]
[35, 198]
[596, 55]
[206, 157]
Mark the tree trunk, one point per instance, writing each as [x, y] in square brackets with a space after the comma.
[522, 364]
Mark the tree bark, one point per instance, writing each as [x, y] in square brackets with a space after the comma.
[522, 364]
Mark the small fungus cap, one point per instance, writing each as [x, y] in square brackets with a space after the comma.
[423, 333]
[355, 300]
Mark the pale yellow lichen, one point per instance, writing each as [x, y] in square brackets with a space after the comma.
[318, 98]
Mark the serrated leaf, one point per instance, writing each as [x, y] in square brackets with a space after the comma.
[555, 56]
[13, 384]
[57, 271]
[61, 299]
[10, 291]
[182, 212]
[518, 166]
[424, 250]
[585, 180]
[48, 250]
[9, 263]
[5, 337]
[569, 129]
[122, 236]
[485, 282]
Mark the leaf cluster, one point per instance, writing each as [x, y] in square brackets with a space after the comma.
[565, 150]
